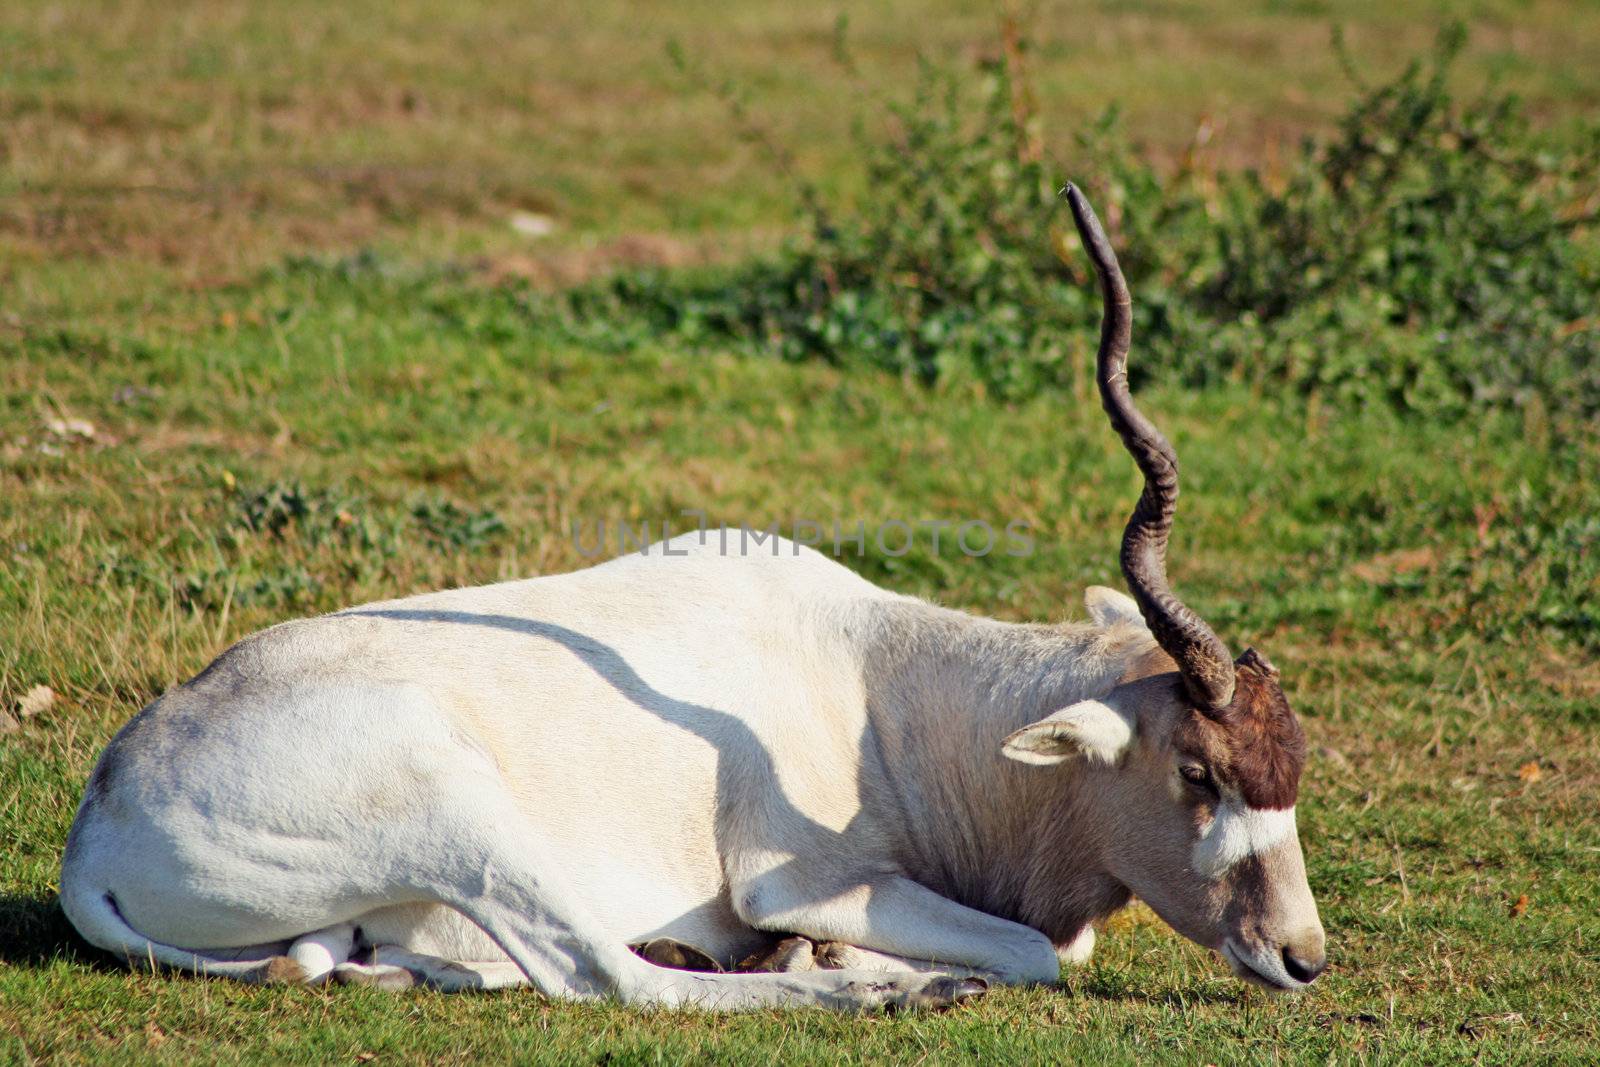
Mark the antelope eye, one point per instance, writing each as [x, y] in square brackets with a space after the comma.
[1195, 774]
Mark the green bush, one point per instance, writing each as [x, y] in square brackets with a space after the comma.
[1434, 256]
[283, 544]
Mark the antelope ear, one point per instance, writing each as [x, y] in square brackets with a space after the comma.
[1109, 607]
[1089, 728]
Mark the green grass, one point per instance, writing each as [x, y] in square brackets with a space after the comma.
[132, 559]
[275, 437]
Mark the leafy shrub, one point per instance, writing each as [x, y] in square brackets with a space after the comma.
[1431, 256]
[449, 525]
[945, 267]
[315, 517]
[281, 544]
[1435, 256]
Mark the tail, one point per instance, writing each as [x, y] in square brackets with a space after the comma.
[93, 911]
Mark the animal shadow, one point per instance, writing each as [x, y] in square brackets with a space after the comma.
[34, 931]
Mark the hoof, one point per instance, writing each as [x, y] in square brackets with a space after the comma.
[281, 970]
[789, 956]
[665, 952]
[376, 976]
[945, 992]
[838, 956]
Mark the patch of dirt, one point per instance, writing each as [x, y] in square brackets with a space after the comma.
[1569, 675]
[178, 439]
[558, 268]
[1390, 565]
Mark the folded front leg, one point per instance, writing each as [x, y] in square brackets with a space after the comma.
[797, 953]
[894, 915]
[836, 955]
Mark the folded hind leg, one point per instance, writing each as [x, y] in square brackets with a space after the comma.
[498, 872]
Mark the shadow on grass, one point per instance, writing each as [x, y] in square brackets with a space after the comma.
[1116, 988]
[34, 931]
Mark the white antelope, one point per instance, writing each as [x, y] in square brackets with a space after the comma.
[514, 784]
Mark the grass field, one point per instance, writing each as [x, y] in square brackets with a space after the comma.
[262, 435]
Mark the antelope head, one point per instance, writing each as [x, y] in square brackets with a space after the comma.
[1196, 753]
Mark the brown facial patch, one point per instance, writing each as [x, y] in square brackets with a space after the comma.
[1256, 743]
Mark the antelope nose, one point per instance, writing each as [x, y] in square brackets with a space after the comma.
[1304, 968]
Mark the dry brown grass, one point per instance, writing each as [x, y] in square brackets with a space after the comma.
[201, 141]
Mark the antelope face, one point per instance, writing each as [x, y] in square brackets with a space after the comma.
[1196, 810]
[1215, 791]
